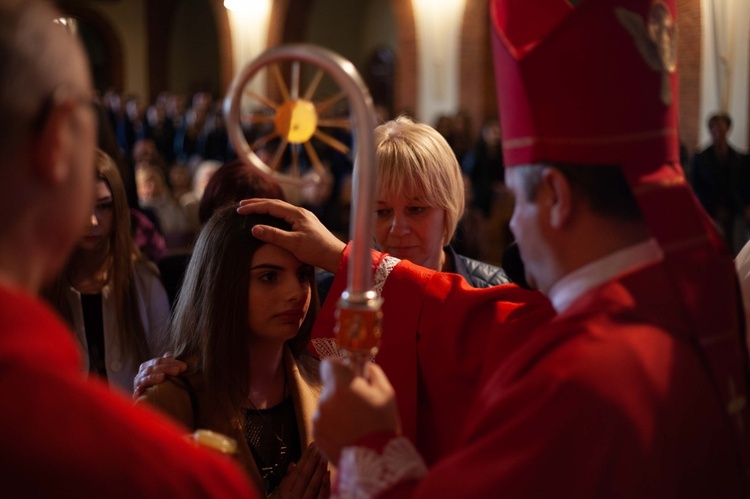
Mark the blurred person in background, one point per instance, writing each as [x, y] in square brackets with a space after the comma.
[108, 292]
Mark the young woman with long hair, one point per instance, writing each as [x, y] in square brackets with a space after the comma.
[109, 292]
[241, 323]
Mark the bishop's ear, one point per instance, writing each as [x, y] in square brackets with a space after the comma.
[561, 199]
[55, 140]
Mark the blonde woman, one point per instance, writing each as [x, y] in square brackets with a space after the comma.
[420, 200]
[108, 292]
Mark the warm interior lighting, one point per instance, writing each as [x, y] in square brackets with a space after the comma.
[248, 24]
[252, 8]
[438, 30]
[236, 5]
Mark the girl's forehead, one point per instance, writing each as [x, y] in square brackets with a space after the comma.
[274, 255]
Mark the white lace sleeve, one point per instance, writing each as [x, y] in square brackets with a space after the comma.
[363, 473]
[327, 347]
[382, 272]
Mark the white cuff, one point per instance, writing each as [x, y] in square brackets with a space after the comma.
[363, 473]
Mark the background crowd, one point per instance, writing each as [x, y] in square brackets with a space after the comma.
[168, 150]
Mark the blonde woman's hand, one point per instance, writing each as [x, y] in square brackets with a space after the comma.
[309, 240]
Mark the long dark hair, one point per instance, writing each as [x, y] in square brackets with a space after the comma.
[209, 327]
[123, 253]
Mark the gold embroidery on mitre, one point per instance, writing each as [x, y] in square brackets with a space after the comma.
[656, 41]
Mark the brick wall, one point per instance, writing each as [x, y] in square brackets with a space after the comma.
[478, 96]
[689, 67]
[405, 93]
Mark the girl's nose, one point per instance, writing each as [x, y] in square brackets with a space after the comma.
[297, 290]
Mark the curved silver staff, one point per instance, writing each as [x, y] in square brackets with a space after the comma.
[296, 120]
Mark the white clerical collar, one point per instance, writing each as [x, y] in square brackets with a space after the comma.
[572, 286]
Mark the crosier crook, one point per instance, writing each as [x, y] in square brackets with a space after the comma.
[296, 121]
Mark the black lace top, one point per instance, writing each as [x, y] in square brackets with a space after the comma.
[274, 440]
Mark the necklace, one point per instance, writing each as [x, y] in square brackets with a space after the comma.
[267, 424]
[270, 437]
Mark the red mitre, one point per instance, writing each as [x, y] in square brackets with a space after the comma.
[595, 82]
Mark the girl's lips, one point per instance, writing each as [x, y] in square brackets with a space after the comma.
[291, 315]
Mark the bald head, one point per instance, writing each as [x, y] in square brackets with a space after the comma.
[37, 57]
[47, 146]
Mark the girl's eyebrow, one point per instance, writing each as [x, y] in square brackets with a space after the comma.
[267, 266]
[270, 266]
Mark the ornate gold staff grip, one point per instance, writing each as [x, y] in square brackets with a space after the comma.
[358, 327]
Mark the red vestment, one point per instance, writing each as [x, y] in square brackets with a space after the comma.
[64, 436]
[609, 399]
[434, 343]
